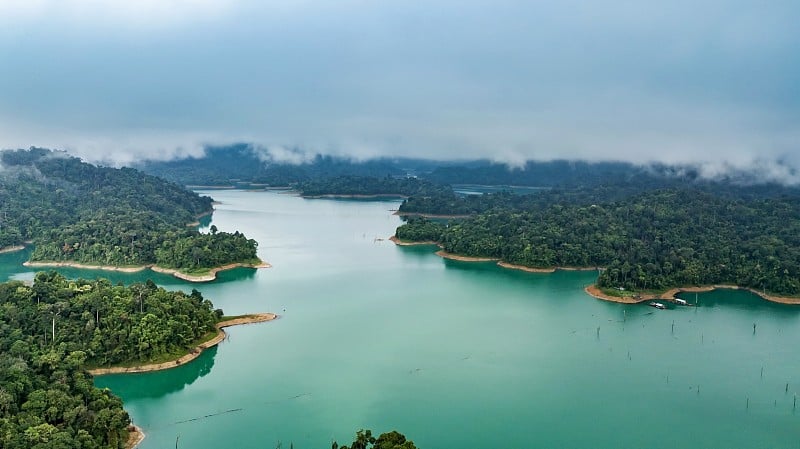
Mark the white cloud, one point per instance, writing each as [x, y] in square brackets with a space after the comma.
[281, 155]
[711, 82]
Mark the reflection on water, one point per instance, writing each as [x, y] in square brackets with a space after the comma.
[236, 275]
[456, 353]
[11, 268]
[205, 222]
[734, 298]
[418, 251]
[11, 265]
[158, 384]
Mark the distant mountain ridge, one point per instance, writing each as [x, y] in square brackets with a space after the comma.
[244, 164]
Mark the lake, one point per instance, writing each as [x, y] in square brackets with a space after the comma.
[453, 354]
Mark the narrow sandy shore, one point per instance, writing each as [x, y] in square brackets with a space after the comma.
[446, 255]
[212, 274]
[671, 294]
[778, 299]
[399, 242]
[595, 292]
[198, 217]
[135, 437]
[11, 249]
[85, 266]
[417, 214]
[511, 266]
[255, 318]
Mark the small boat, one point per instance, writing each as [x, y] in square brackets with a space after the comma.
[681, 302]
[657, 305]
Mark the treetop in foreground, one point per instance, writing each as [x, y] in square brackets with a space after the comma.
[52, 330]
[389, 440]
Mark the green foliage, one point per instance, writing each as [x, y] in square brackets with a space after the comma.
[389, 440]
[595, 191]
[199, 251]
[109, 324]
[420, 229]
[78, 212]
[243, 164]
[654, 240]
[47, 399]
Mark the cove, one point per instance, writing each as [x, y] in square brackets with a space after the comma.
[453, 354]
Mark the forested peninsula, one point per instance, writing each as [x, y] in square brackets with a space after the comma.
[53, 330]
[647, 242]
[75, 212]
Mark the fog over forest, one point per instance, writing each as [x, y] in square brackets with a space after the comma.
[713, 84]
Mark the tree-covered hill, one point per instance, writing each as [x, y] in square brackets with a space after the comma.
[446, 202]
[243, 163]
[52, 330]
[74, 211]
[654, 240]
[371, 186]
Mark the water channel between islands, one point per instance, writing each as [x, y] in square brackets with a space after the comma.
[452, 354]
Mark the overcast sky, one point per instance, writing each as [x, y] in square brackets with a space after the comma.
[716, 82]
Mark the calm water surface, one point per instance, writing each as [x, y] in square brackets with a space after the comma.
[454, 354]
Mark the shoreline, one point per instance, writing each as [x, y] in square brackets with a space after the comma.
[197, 217]
[135, 437]
[193, 353]
[419, 214]
[133, 269]
[670, 294]
[511, 266]
[399, 242]
[444, 254]
[595, 292]
[212, 274]
[354, 196]
[12, 249]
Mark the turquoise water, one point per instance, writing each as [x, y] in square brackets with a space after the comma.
[454, 354]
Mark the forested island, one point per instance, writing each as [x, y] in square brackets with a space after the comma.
[75, 212]
[53, 330]
[651, 241]
[370, 186]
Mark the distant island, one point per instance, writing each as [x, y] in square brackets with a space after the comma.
[81, 215]
[347, 186]
[55, 330]
[647, 243]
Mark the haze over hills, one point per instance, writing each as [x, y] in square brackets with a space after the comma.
[76, 212]
[245, 164]
[659, 141]
[681, 82]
